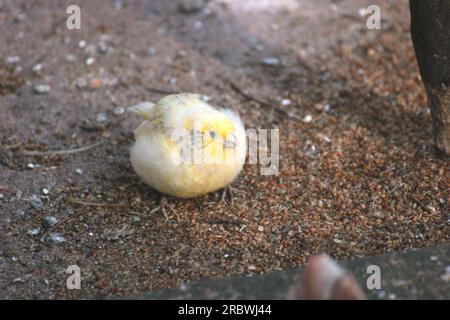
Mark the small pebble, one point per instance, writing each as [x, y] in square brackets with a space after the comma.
[446, 276]
[271, 61]
[49, 221]
[45, 191]
[119, 111]
[434, 258]
[252, 267]
[118, 4]
[12, 60]
[78, 171]
[198, 24]
[191, 6]
[56, 237]
[30, 165]
[102, 117]
[70, 57]
[307, 118]
[285, 102]
[90, 49]
[36, 202]
[82, 44]
[381, 294]
[90, 61]
[33, 232]
[37, 68]
[20, 213]
[42, 88]
[102, 47]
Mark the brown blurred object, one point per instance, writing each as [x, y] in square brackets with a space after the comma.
[324, 279]
[430, 33]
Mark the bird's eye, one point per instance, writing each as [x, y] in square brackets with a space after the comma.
[212, 134]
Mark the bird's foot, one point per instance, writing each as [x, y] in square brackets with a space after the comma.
[228, 190]
[162, 207]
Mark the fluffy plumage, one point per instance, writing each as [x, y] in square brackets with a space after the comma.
[187, 148]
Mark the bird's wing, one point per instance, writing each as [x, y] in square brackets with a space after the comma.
[143, 109]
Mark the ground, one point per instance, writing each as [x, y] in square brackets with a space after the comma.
[359, 174]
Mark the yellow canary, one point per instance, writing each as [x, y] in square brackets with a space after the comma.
[187, 148]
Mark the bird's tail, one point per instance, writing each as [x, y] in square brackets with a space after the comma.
[143, 109]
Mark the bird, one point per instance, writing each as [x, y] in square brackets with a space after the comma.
[187, 148]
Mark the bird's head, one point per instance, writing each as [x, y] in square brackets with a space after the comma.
[215, 134]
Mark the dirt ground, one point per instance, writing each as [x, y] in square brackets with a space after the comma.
[358, 171]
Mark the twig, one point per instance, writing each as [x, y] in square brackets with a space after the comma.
[58, 152]
[263, 103]
[95, 204]
[224, 222]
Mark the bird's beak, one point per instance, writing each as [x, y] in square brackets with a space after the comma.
[230, 142]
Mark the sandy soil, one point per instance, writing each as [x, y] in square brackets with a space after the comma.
[361, 178]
